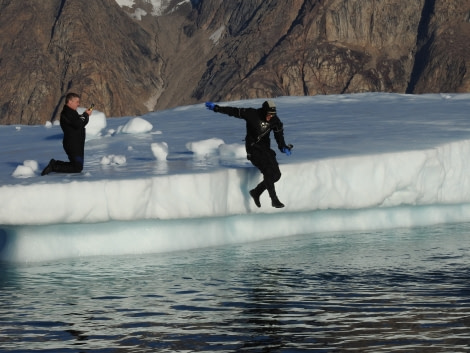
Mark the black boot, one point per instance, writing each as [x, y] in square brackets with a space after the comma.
[276, 203]
[256, 193]
[274, 200]
[67, 167]
[49, 168]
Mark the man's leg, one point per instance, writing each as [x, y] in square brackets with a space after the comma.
[272, 174]
[256, 193]
[266, 162]
[77, 162]
[274, 199]
[74, 166]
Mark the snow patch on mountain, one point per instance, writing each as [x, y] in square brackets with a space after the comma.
[159, 7]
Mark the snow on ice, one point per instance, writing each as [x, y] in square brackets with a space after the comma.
[179, 179]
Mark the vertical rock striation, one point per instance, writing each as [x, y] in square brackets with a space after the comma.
[129, 61]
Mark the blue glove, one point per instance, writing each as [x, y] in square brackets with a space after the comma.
[287, 149]
[210, 105]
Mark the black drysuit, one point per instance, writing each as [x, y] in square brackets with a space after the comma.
[258, 143]
[73, 126]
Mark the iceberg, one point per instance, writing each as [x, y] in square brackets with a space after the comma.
[180, 179]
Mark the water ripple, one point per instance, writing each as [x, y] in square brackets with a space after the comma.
[394, 291]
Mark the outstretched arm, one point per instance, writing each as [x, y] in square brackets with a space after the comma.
[232, 111]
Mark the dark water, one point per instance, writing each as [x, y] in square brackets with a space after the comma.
[405, 290]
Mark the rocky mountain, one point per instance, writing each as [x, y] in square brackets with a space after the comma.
[131, 57]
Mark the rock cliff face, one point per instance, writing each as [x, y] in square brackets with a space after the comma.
[132, 60]
[349, 46]
[52, 47]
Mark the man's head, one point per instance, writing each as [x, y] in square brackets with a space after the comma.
[72, 100]
[269, 109]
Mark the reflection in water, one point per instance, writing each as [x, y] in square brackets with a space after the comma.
[398, 290]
